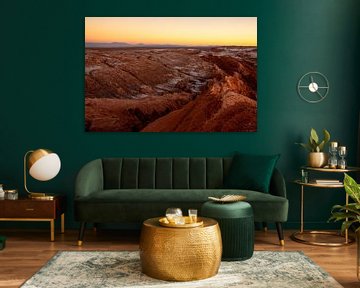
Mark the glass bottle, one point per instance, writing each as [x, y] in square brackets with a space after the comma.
[11, 194]
[333, 162]
[342, 154]
[304, 176]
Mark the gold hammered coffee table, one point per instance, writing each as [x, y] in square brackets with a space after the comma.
[180, 254]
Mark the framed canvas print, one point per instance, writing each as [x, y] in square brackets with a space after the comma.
[171, 74]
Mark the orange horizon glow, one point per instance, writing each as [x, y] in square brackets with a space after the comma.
[224, 31]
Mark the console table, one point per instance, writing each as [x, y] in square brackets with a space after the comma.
[297, 235]
[27, 209]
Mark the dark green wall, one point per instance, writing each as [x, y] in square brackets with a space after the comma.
[42, 88]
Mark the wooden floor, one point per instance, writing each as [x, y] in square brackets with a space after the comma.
[28, 250]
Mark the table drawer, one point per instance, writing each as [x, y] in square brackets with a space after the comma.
[28, 209]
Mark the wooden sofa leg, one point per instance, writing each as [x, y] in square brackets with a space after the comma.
[265, 227]
[81, 233]
[280, 233]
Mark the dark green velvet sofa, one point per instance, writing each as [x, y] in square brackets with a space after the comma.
[130, 190]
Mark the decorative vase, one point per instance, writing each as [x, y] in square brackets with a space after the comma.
[317, 159]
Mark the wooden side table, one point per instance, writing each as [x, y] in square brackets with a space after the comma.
[26, 209]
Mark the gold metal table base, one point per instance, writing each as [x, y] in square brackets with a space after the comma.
[295, 236]
[347, 240]
[180, 254]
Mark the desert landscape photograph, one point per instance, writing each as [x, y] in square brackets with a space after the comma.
[170, 74]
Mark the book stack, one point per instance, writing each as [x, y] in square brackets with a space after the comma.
[327, 181]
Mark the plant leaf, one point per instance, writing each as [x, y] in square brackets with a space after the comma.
[312, 144]
[350, 207]
[346, 225]
[314, 135]
[352, 188]
[326, 136]
[321, 146]
[306, 146]
[337, 216]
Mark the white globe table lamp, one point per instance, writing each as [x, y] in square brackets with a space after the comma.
[43, 165]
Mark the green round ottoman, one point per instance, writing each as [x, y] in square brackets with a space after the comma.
[236, 221]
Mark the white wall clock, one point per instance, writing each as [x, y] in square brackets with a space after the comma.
[313, 87]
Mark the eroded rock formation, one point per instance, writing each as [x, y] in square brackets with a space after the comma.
[177, 89]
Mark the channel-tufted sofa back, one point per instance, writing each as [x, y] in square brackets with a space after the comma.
[164, 173]
[160, 173]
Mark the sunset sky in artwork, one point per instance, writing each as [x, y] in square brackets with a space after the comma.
[239, 31]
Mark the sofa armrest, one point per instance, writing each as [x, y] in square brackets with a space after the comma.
[277, 184]
[89, 179]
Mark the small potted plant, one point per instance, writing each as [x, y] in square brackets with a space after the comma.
[350, 214]
[317, 157]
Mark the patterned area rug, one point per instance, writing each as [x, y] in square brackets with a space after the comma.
[122, 269]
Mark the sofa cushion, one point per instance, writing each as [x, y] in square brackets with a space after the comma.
[251, 172]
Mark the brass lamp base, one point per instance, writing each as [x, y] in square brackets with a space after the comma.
[41, 196]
